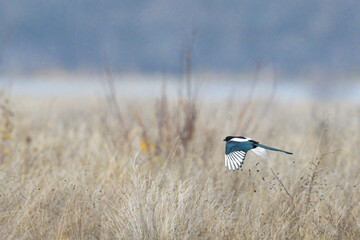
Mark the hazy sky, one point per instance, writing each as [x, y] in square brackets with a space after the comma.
[150, 36]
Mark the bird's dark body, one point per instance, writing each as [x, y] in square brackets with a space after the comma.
[239, 146]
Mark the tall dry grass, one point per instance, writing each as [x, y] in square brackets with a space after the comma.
[154, 169]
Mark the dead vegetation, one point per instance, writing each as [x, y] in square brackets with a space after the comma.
[154, 170]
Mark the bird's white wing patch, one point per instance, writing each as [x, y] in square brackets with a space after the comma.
[234, 160]
[240, 139]
[261, 152]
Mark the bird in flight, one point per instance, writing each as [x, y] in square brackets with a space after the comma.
[237, 147]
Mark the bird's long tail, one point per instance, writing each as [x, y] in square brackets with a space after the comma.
[271, 148]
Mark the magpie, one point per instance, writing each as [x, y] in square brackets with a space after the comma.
[237, 147]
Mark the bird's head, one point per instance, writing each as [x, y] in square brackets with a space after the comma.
[228, 138]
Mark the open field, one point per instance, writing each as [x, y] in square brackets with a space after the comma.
[107, 168]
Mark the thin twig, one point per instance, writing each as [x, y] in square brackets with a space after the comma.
[287, 192]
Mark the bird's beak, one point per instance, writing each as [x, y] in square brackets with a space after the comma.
[224, 139]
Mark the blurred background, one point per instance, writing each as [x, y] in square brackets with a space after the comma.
[310, 48]
[112, 116]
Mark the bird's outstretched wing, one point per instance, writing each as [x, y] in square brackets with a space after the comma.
[260, 152]
[235, 153]
[234, 160]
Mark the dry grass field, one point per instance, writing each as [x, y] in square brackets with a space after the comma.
[113, 168]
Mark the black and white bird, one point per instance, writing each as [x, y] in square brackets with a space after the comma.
[237, 147]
